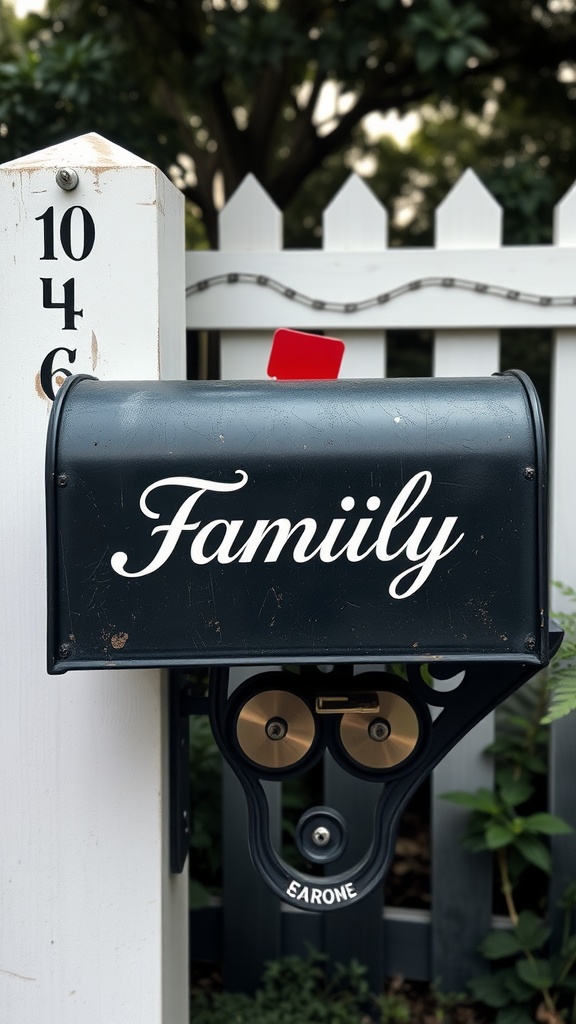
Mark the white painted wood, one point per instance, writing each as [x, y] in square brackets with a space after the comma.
[563, 420]
[466, 353]
[462, 883]
[355, 220]
[469, 215]
[563, 560]
[355, 276]
[467, 246]
[563, 477]
[92, 927]
[244, 354]
[249, 222]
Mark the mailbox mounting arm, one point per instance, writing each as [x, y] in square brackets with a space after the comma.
[485, 685]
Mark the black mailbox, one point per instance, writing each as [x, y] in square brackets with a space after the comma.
[239, 523]
[307, 524]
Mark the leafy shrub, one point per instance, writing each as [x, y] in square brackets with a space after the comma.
[298, 990]
[529, 983]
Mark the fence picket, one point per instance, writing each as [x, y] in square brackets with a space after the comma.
[469, 217]
[356, 265]
[249, 221]
[563, 567]
[356, 221]
[462, 882]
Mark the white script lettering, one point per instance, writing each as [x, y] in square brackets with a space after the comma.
[215, 540]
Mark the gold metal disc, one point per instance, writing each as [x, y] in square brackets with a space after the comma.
[385, 739]
[275, 729]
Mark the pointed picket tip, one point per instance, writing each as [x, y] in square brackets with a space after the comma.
[355, 219]
[250, 220]
[468, 216]
[90, 151]
[565, 218]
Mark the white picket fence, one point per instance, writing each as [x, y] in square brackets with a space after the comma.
[466, 289]
[93, 927]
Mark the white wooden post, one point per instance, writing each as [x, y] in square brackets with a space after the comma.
[93, 928]
[462, 882]
[563, 560]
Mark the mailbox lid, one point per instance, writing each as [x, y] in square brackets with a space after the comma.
[264, 521]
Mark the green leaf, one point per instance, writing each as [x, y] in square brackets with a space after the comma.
[568, 899]
[536, 973]
[518, 989]
[569, 947]
[498, 835]
[490, 989]
[198, 895]
[513, 1015]
[479, 48]
[547, 824]
[475, 843]
[428, 55]
[455, 57]
[534, 851]
[481, 800]
[517, 791]
[530, 931]
[500, 944]
[535, 763]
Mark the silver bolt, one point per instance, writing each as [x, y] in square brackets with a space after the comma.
[379, 730]
[66, 178]
[321, 835]
[276, 729]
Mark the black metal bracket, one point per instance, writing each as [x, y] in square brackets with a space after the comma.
[181, 704]
[485, 685]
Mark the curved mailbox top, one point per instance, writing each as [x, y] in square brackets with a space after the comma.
[278, 522]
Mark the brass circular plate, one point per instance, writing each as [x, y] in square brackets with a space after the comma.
[254, 739]
[386, 753]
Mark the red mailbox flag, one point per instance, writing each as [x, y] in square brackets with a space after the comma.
[296, 355]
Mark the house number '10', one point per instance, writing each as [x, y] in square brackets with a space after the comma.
[77, 235]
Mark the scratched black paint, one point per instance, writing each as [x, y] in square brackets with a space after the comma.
[305, 446]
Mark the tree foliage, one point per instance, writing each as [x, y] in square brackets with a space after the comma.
[214, 89]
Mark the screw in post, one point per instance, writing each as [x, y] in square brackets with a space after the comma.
[66, 178]
[62, 480]
[64, 651]
[530, 643]
[321, 835]
[529, 472]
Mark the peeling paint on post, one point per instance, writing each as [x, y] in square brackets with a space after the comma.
[93, 927]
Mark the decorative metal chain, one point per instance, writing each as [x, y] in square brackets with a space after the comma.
[384, 297]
